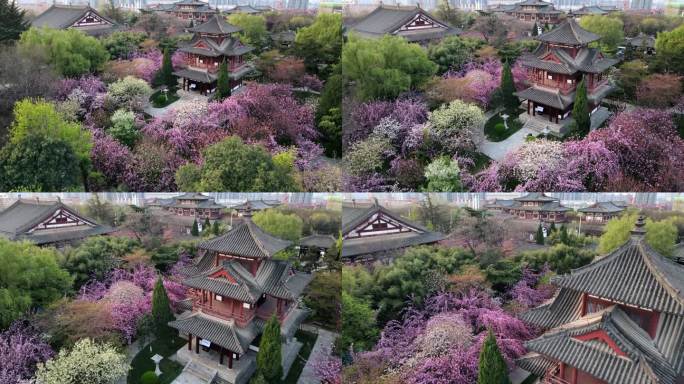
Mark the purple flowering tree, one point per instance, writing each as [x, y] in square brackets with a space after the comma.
[21, 349]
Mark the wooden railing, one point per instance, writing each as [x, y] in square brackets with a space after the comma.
[552, 376]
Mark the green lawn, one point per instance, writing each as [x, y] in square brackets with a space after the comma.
[158, 100]
[142, 362]
[500, 134]
[481, 161]
[309, 339]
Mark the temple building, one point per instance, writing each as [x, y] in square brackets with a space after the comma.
[235, 287]
[254, 205]
[642, 43]
[192, 10]
[533, 206]
[192, 204]
[618, 320]
[213, 42]
[412, 23]
[555, 68]
[603, 211]
[47, 223]
[538, 11]
[593, 10]
[374, 232]
[78, 17]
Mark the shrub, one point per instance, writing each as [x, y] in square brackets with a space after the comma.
[149, 377]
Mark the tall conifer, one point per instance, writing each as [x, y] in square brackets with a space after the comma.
[161, 309]
[492, 367]
[580, 110]
[269, 359]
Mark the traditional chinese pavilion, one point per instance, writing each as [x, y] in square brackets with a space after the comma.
[236, 286]
[78, 17]
[531, 10]
[250, 206]
[618, 320]
[593, 10]
[214, 42]
[373, 232]
[603, 211]
[412, 23]
[533, 206]
[192, 204]
[556, 67]
[47, 223]
[195, 10]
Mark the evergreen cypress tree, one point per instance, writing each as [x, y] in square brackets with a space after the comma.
[510, 101]
[12, 21]
[216, 229]
[580, 110]
[535, 29]
[269, 357]
[223, 82]
[161, 309]
[195, 228]
[492, 367]
[539, 238]
[207, 226]
[167, 76]
[564, 234]
[553, 227]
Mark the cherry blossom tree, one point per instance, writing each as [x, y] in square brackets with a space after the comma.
[21, 349]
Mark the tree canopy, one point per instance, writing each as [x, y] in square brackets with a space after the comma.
[320, 43]
[86, 362]
[359, 329]
[12, 21]
[670, 50]
[30, 277]
[386, 67]
[254, 30]
[280, 224]
[269, 357]
[608, 27]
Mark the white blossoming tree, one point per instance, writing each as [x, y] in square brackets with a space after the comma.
[443, 175]
[87, 362]
[454, 125]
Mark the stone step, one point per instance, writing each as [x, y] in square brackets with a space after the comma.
[201, 371]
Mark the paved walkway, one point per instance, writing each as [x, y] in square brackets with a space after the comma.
[496, 150]
[323, 346]
[185, 98]
[131, 351]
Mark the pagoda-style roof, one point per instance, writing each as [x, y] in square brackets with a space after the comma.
[603, 207]
[318, 241]
[547, 203]
[222, 332]
[568, 33]
[594, 10]
[246, 240]
[183, 6]
[45, 222]
[564, 307]
[552, 98]
[276, 278]
[256, 205]
[397, 20]
[536, 196]
[245, 9]
[206, 46]
[192, 196]
[634, 274]
[632, 358]
[641, 40]
[588, 60]
[81, 17]
[405, 233]
[216, 25]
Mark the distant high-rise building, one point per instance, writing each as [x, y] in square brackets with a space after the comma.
[297, 4]
[641, 4]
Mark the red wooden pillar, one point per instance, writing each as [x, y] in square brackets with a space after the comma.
[573, 376]
[221, 356]
[230, 359]
[190, 341]
[197, 343]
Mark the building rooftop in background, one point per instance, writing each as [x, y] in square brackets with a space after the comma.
[371, 231]
[79, 17]
[412, 23]
[47, 223]
[194, 10]
[530, 10]
[593, 10]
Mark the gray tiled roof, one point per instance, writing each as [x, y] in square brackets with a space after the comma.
[245, 9]
[63, 16]
[535, 363]
[216, 25]
[353, 217]
[200, 76]
[17, 219]
[224, 333]
[639, 40]
[552, 98]
[568, 32]
[375, 244]
[226, 47]
[245, 288]
[536, 196]
[565, 307]
[587, 60]
[602, 207]
[278, 279]
[316, 240]
[247, 240]
[634, 274]
[593, 10]
[256, 205]
[389, 19]
[642, 362]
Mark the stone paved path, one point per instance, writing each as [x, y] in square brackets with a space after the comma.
[323, 346]
[185, 97]
[497, 150]
[131, 351]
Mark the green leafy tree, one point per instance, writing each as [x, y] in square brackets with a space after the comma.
[30, 277]
[580, 110]
[216, 228]
[359, 329]
[129, 93]
[284, 225]
[561, 258]
[320, 43]
[564, 234]
[442, 175]
[662, 236]
[329, 114]
[322, 297]
[609, 28]
[492, 367]
[383, 68]
[41, 118]
[161, 309]
[254, 30]
[232, 165]
[616, 232]
[206, 227]
[630, 75]
[86, 362]
[270, 350]
[223, 82]
[123, 127]
[510, 101]
[96, 257]
[195, 228]
[552, 229]
[535, 29]
[72, 52]
[539, 236]
[121, 44]
[38, 163]
[452, 52]
[670, 50]
[165, 74]
[12, 21]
